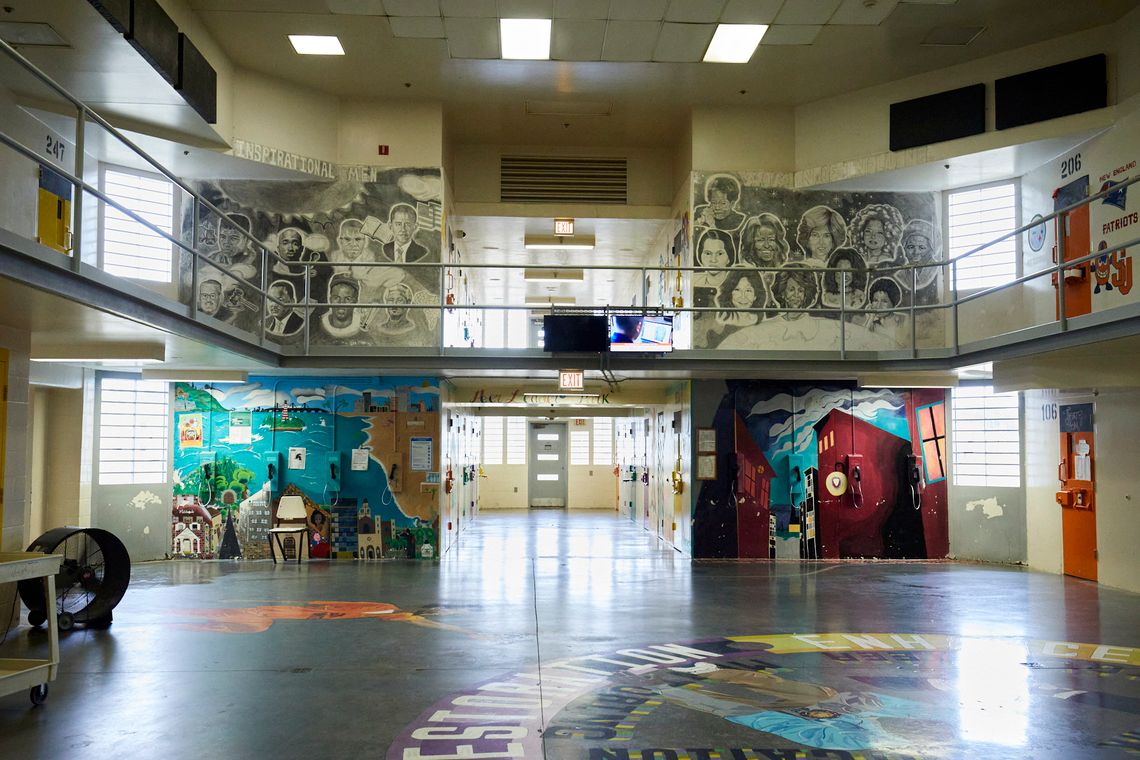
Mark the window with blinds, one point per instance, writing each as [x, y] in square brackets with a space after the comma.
[129, 248]
[579, 447]
[492, 440]
[976, 216]
[134, 431]
[986, 438]
[603, 441]
[516, 440]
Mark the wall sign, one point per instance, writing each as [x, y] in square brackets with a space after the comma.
[571, 380]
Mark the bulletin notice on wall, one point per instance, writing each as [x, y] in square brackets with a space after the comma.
[419, 455]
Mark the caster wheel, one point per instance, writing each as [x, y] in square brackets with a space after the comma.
[39, 694]
[66, 621]
[37, 618]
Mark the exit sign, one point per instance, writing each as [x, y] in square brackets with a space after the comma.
[563, 226]
[571, 380]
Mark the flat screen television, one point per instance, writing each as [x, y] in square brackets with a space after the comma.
[574, 332]
[636, 332]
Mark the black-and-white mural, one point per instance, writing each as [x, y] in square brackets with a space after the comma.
[865, 236]
[341, 243]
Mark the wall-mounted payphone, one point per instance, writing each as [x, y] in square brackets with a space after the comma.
[207, 469]
[272, 462]
[912, 474]
[797, 468]
[334, 463]
[854, 464]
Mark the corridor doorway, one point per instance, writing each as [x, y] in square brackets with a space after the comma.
[546, 465]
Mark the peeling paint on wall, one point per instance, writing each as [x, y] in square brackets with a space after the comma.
[140, 500]
[990, 507]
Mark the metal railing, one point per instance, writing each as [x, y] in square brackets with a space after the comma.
[444, 305]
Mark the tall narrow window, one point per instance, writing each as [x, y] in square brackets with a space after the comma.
[129, 248]
[976, 216]
[133, 431]
[492, 440]
[986, 437]
[603, 441]
[516, 440]
[932, 431]
[580, 446]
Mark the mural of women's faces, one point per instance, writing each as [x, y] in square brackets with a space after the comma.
[921, 244]
[796, 287]
[742, 289]
[875, 232]
[715, 249]
[821, 230]
[849, 286]
[763, 242]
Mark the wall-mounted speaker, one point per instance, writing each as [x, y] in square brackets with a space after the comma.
[155, 36]
[197, 81]
[935, 118]
[1051, 92]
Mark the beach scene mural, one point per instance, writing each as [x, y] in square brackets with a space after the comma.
[363, 453]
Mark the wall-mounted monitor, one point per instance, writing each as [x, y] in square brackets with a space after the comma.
[574, 332]
[637, 332]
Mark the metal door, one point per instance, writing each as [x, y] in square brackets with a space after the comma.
[546, 464]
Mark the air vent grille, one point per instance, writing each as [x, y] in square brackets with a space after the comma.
[562, 179]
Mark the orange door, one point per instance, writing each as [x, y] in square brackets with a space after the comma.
[1078, 504]
[1076, 237]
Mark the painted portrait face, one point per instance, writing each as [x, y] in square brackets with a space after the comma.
[403, 225]
[765, 243]
[794, 294]
[874, 237]
[396, 296]
[744, 294]
[289, 245]
[719, 203]
[229, 239]
[820, 242]
[210, 298]
[352, 242]
[917, 248]
[880, 300]
[713, 253]
[281, 293]
[344, 295]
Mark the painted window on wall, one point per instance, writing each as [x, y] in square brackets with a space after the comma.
[603, 441]
[932, 430]
[976, 216]
[133, 431]
[492, 440]
[129, 248]
[986, 437]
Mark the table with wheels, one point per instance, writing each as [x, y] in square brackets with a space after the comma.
[18, 674]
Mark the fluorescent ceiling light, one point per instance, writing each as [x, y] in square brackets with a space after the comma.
[101, 353]
[563, 242]
[734, 43]
[312, 44]
[197, 375]
[553, 275]
[553, 300]
[526, 39]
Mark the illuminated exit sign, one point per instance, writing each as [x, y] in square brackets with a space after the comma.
[571, 380]
[563, 226]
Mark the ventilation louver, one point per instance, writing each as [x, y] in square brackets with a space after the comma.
[562, 179]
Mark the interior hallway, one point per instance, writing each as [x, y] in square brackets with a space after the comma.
[351, 659]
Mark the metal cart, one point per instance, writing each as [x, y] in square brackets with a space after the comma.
[17, 674]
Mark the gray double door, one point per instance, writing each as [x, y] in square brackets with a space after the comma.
[546, 464]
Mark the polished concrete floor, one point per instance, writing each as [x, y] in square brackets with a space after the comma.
[580, 636]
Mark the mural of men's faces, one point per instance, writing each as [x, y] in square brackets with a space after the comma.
[351, 241]
[210, 297]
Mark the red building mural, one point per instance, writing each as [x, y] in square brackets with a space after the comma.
[753, 495]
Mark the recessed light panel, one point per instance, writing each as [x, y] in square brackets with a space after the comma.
[734, 43]
[310, 44]
[525, 39]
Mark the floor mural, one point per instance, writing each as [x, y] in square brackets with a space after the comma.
[881, 696]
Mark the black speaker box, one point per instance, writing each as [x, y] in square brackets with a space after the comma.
[1051, 92]
[935, 118]
[197, 81]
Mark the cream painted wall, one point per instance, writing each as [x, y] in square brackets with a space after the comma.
[590, 487]
[1116, 416]
[56, 456]
[285, 116]
[189, 23]
[412, 130]
[854, 126]
[476, 171]
[17, 442]
[744, 139]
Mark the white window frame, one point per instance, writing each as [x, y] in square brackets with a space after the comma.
[515, 437]
[982, 440]
[603, 453]
[146, 458]
[1016, 239]
[580, 445]
[105, 208]
[494, 436]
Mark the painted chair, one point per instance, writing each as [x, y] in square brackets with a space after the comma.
[292, 540]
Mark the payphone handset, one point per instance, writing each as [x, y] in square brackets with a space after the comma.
[913, 474]
[334, 463]
[797, 469]
[855, 478]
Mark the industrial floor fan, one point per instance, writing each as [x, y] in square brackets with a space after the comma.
[92, 578]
